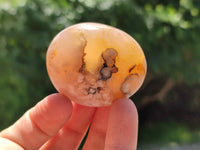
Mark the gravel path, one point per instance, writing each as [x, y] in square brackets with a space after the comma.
[195, 146]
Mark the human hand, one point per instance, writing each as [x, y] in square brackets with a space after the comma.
[57, 124]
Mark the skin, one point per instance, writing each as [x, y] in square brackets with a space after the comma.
[56, 123]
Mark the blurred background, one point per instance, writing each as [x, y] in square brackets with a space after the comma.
[168, 31]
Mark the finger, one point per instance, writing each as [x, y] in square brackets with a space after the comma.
[122, 126]
[40, 123]
[6, 144]
[71, 135]
[97, 133]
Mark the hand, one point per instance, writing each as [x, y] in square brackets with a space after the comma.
[57, 124]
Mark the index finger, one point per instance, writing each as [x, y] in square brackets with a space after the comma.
[122, 128]
[40, 123]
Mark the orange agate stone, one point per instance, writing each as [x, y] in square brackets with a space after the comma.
[95, 64]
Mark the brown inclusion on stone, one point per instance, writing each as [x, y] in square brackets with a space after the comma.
[133, 67]
[109, 56]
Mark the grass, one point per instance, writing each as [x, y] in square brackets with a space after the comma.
[167, 133]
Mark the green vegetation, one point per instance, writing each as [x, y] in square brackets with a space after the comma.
[163, 133]
[168, 31]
